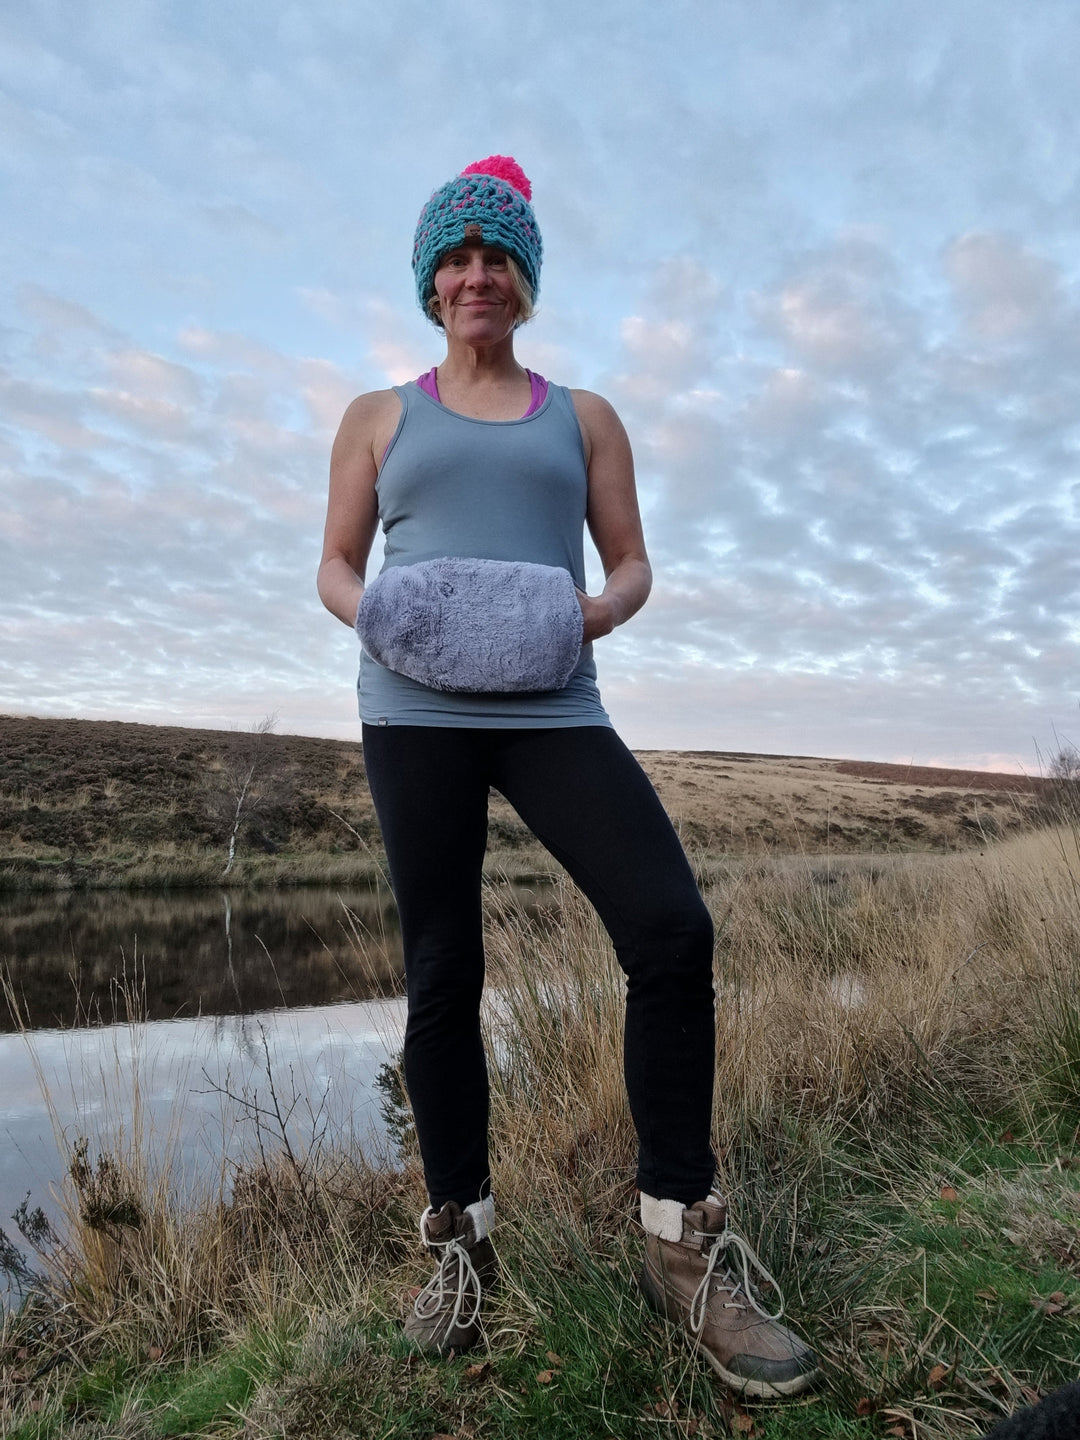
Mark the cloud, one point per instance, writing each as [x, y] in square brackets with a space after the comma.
[1003, 291]
[57, 313]
[823, 266]
[182, 542]
[841, 314]
[835, 511]
[239, 222]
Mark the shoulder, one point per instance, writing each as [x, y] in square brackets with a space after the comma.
[599, 421]
[368, 410]
[368, 424]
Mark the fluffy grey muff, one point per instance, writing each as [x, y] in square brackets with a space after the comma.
[1055, 1417]
[474, 625]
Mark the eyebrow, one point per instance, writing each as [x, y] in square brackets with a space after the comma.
[485, 249]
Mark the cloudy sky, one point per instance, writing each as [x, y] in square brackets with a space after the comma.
[821, 254]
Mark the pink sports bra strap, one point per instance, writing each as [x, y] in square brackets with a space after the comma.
[429, 383]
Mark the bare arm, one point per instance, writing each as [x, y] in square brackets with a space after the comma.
[613, 518]
[352, 509]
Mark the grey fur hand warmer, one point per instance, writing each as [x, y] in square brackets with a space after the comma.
[474, 625]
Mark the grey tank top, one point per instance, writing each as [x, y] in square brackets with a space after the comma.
[450, 485]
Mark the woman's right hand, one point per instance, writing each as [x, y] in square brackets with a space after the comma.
[352, 512]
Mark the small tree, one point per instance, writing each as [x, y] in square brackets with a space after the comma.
[244, 790]
[1065, 765]
[1064, 771]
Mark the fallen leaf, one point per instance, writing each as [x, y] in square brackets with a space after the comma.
[936, 1378]
[23, 1353]
[743, 1423]
[553, 1358]
[477, 1372]
[1031, 1396]
[545, 1377]
[154, 1352]
[726, 1408]
[949, 1192]
[866, 1406]
[1058, 1297]
[1008, 1138]
[663, 1409]
[1050, 1306]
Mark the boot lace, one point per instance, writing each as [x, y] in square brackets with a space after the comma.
[735, 1285]
[455, 1280]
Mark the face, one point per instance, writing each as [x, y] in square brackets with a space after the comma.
[477, 299]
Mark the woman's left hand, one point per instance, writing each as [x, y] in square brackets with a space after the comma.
[597, 615]
[612, 517]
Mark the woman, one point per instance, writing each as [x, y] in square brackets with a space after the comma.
[482, 474]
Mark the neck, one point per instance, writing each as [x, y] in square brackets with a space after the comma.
[485, 382]
[480, 364]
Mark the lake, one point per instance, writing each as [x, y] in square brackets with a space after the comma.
[159, 1020]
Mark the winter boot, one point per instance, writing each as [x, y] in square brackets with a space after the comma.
[697, 1273]
[445, 1315]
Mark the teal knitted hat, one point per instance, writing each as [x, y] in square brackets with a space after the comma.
[488, 201]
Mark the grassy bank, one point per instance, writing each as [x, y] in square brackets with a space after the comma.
[98, 804]
[898, 1122]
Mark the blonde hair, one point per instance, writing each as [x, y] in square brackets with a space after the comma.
[525, 308]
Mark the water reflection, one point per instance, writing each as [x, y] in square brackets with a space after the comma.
[184, 1094]
[82, 957]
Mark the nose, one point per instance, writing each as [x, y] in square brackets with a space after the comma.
[477, 272]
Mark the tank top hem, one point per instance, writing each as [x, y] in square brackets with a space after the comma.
[449, 720]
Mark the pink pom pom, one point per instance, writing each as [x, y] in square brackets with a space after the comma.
[503, 167]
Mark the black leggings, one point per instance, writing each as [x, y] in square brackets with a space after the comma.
[588, 801]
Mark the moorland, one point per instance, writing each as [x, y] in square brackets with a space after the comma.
[99, 803]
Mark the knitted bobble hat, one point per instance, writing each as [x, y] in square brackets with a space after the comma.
[488, 201]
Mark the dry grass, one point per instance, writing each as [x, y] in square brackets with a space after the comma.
[841, 987]
[864, 1007]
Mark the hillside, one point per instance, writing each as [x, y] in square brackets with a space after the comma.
[86, 802]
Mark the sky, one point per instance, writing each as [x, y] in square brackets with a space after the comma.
[821, 255]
